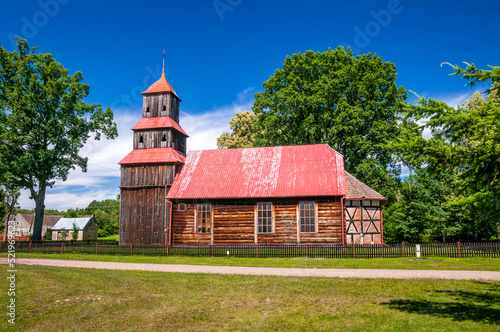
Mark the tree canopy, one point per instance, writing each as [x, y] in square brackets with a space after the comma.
[44, 121]
[243, 132]
[351, 103]
[465, 143]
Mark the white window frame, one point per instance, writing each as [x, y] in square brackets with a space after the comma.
[299, 224]
[256, 214]
[210, 219]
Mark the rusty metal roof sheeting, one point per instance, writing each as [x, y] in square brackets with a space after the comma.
[158, 122]
[356, 189]
[279, 171]
[153, 156]
[160, 86]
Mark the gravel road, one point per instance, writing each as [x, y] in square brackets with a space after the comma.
[268, 271]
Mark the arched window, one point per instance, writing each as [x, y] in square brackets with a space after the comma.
[163, 138]
[141, 139]
[147, 109]
[164, 107]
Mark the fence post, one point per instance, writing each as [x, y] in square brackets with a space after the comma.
[403, 248]
[97, 248]
[131, 251]
[307, 250]
[354, 250]
[212, 250]
[459, 254]
[29, 248]
[167, 249]
[62, 247]
[257, 250]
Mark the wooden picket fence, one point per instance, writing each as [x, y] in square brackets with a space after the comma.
[455, 250]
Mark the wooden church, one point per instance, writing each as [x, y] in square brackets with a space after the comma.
[268, 195]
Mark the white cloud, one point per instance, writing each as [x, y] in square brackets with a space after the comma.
[103, 172]
[452, 99]
[203, 129]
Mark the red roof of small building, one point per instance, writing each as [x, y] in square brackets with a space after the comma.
[161, 85]
[158, 122]
[278, 171]
[153, 156]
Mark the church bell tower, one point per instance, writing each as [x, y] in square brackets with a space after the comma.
[159, 149]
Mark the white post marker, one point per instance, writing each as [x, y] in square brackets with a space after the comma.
[417, 247]
[228, 254]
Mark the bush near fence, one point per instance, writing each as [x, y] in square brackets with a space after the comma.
[104, 247]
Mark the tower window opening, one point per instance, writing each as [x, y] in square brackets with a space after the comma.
[147, 109]
[141, 139]
[163, 138]
[164, 107]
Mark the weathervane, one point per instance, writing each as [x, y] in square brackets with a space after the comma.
[163, 52]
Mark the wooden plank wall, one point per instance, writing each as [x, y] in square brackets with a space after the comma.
[329, 225]
[155, 102]
[183, 227]
[152, 138]
[144, 215]
[147, 175]
[234, 223]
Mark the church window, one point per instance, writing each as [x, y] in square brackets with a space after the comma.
[141, 139]
[203, 218]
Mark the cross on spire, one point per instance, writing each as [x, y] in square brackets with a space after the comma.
[163, 52]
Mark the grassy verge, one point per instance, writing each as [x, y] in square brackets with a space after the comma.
[435, 263]
[111, 237]
[67, 299]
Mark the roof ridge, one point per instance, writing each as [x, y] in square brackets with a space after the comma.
[353, 184]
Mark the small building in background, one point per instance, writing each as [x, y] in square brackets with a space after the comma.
[64, 228]
[24, 223]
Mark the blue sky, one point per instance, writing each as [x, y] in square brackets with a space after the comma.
[220, 52]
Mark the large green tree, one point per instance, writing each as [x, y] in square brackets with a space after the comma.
[44, 122]
[242, 133]
[466, 142]
[350, 102]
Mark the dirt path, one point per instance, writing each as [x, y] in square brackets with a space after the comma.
[268, 271]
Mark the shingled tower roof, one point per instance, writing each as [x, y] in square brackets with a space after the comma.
[160, 86]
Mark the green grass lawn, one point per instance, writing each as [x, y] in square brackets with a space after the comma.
[435, 263]
[110, 237]
[70, 299]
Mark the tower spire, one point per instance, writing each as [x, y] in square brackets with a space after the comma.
[163, 52]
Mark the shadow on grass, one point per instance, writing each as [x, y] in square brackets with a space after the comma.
[477, 306]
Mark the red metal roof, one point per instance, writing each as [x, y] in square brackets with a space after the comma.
[158, 122]
[161, 85]
[153, 156]
[279, 171]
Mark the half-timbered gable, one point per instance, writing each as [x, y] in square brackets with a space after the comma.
[363, 212]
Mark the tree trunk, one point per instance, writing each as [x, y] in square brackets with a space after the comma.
[39, 211]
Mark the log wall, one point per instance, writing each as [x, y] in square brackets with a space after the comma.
[233, 222]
